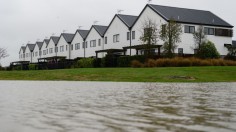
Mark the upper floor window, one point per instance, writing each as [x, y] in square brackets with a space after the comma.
[51, 50]
[47, 51]
[86, 44]
[116, 38]
[93, 43]
[44, 52]
[224, 32]
[189, 29]
[209, 31]
[77, 46]
[105, 40]
[99, 42]
[61, 48]
[163, 29]
[66, 47]
[133, 34]
[56, 49]
[40, 53]
[36, 54]
[128, 35]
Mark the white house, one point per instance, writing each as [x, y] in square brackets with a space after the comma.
[64, 45]
[118, 32]
[37, 52]
[77, 42]
[44, 49]
[216, 29]
[95, 41]
[22, 53]
[29, 52]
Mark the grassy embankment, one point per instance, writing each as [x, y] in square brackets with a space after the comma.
[170, 74]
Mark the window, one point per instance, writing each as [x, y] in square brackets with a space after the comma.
[40, 53]
[61, 48]
[47, 51]
[71, 47]
[105, 40]
[36, 54]
[83, 46]
[116, 38]
[93, 43]
[224, 32]
[99, 42]
[33, 54]
[44, 52]
[51, 50]
[56, 49]
[133, 34]
[209, 31]
[180, 51]
[86, 44]
[77, 46]
[163, 29]
[189, 29]
[66, 47]
[128, 35]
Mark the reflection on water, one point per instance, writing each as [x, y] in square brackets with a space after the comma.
[105, 107]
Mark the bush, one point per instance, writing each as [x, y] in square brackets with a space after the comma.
[136, 64]
[208, 51]
[150, 63]
[125, 61]
[85, 63]
[33, 67]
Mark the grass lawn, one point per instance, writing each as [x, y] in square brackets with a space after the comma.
[169, 74]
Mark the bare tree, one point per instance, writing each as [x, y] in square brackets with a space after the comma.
[3, 53]
[149, 34]
[170, 34]
[199, 37]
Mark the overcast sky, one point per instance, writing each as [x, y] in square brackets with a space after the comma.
[29, 20]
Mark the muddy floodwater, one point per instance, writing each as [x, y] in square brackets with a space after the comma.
[41, 106]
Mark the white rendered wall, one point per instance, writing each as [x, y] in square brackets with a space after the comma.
[79, 52]
[44, 47]
[27, 51]
[51, 44]
[148, 14]
[117, 27]
[62, 42]
[90, 51]
[21, 54]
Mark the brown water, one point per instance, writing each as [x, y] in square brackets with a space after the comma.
[107, 107]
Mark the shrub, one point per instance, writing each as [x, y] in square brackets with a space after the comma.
[125, 61]
[86, 63]
[150, 63]
[208, 51]
[33, 67]
[136, 64]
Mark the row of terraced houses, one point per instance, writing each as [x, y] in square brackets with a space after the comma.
[122, 35]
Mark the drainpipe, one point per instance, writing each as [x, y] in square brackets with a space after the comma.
[69, 45]
[130, 41]
[84, 47]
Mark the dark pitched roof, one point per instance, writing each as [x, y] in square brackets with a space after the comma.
[100, 29]
[46, 41]
[190, 16]
[40, 44]
[127, 19]
[55, 39]
[83, 33]
[234, 43]
[23, 48]
[68, 37]
[31, 47]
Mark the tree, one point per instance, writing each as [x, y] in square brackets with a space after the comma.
[208, 51]
[199, 38]
[3, 53]
[149, 35]
[231, 52]
[170, 34]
